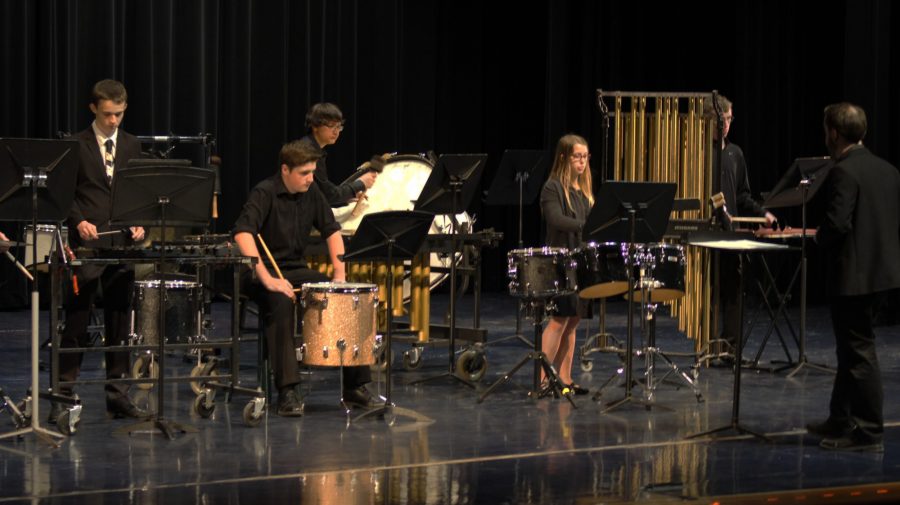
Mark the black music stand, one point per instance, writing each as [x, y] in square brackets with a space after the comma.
[161, 196]
[522, 174]
[37, 183]
[389, 236]
[449, 190]
[797, 187]
[630, 212]
[714, 241]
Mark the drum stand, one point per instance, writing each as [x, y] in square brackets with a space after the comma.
[651, 352]
[539, 309]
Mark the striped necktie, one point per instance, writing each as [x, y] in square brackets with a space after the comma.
[109, 160]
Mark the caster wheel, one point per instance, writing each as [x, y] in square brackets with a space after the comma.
[63, 425]
[587, 365]
[412, 359]
[380, 364]
[200, 406]
[472, 364]
[251, 419]
[208, 368]
[142, 368]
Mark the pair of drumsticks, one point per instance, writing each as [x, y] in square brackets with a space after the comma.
[272, 258]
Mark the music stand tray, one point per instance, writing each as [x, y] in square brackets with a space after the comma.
[37, 183]
[389, 236]
[788, 192]
[161, 196]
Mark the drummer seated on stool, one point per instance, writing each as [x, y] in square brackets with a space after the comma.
[282, 210]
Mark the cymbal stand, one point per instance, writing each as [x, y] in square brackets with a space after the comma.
[539, 308]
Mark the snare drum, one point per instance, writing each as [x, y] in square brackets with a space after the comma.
[601, 269]
[663, 266]
[541, 272]
[184, 302]
[338, 323]
[45, 243]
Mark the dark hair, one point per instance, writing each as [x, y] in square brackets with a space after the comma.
[848, 120]
[723, 102]
[108, 89]
[323, 113]
[296, 153]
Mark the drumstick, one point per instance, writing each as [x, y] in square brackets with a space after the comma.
[19, 266]
[269, 254]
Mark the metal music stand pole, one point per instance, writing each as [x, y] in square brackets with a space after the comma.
[143, 196]
[52, 166]
[527, 170]
[390, 236]
[455, 175]
[802, 359]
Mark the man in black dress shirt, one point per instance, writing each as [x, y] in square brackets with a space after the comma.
[734, 184]
[104, 148]
[325, 122]
[860, 235]
[284, 209]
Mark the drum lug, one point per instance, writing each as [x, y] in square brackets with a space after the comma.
[300, 352]
[325, 351]
[355, 299]
[355, 352]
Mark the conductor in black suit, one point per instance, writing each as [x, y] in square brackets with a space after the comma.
[104, 148]
[861, 235]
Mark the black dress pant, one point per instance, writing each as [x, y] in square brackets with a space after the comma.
[117, 282]
[277, 312]
[857, 396]
[730, 264]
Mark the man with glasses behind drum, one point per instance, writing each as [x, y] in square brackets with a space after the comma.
[326, 122]
[104, 148]
[281, 211]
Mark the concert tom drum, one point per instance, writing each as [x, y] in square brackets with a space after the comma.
[184, 303]
[339, 323]
[541, 272]
[601, 269]
[44, 240]
[663, 266]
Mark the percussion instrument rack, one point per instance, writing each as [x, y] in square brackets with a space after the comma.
[179, 255]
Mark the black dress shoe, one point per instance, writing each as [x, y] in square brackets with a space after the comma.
[121, 407]
[829, 429]
[359, 397]
[289, 405]
[855, 440]
[578, 390]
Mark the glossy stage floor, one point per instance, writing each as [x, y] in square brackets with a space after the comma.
[508, 449]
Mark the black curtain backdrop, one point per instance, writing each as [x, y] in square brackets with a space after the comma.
[448, 76]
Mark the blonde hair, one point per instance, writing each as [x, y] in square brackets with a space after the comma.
[562, 168]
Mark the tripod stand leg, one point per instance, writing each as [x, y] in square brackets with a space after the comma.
[506, 377]
[553, 380]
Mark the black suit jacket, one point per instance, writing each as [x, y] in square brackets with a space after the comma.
[93, 194]
[861, 230]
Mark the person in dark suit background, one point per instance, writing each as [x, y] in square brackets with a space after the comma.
[104, 148]
[861, 235]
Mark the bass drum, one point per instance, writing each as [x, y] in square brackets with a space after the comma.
[397, 188]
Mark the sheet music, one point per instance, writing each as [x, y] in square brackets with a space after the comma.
[740, 245]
